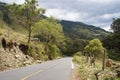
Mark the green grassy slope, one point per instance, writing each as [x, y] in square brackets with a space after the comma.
[82, 31]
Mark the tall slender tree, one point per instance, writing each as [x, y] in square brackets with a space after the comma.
[95, 49]
[26, 14]
[116, 25]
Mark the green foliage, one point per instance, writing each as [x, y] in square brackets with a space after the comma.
[43, 51]
[112, 42]
[116, 25]
[0, 33]
[111, 78]
[75, 45]
[78, 30]
[6, 17]
[53, 51]
[5, 13]
[77, 57]
[95, 47]
[85, 70]
[48, 31]
[26, 14]
[51, 32]
[26, 18]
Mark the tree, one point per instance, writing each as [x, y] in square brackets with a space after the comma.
[50, 31]
[116, 25]
[95, 49]
[112, 42]
[26, 14]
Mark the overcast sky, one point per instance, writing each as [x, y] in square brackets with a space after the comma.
[94, 12]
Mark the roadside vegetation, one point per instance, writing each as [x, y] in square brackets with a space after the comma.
[37, 37]
[100, 63]
[27, 35]
[87, 72]
[84, 69]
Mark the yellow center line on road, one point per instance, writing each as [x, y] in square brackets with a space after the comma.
[32, 74]
[37, 72]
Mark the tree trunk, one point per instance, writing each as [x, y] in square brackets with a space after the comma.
[29, 35]
[87, 57]
[97, 74]
[92, 61]
[103, 66]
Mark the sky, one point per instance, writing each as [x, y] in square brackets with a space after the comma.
[99, 13]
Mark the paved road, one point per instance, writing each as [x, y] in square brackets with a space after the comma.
[60, 69]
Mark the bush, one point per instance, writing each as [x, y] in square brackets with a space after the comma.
[78, 53]
[53, 51]
[78, 57]
[44, 51]
[113, 55]
[0, 33]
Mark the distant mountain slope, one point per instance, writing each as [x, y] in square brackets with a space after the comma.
[82, 31]
[71, 29]
[2, 6]
[6, 20]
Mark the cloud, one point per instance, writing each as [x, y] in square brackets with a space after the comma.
[13, 1]
[64, 14]
[94, 12]
[110, 16]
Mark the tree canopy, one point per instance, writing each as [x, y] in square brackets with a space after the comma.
[112, 42]
[49, 30]
[116, 25]
[95, 47]
[26, 14]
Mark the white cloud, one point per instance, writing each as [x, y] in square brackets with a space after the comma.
[20, 1]
[94, 12]
[110, 16]
[62, 14]
[99, 1]
[107, 28]
[54, 12]
[104, 25]
[13, 1]
[72, 16]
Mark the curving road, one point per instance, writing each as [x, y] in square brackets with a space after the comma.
[60, 69]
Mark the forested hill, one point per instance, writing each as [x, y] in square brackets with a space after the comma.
[82, 31]
[72, 29]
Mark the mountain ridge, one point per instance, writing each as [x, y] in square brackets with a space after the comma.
[82, 31]
[72, 29]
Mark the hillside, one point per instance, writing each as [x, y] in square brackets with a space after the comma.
[73, 30]
[68, 39]
[82, 31]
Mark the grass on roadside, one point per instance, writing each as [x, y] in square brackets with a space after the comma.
[84, 69]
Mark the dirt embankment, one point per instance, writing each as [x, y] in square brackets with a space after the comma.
[75, 75]
[11, 56]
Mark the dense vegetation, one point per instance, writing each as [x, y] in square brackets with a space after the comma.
[80, 30]
[94, 49]
[112, 42]
[48, 30]
[48, 38]
[94, 64]
[66, 37]
[26, 14]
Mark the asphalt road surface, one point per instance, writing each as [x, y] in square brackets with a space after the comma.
[60, 69]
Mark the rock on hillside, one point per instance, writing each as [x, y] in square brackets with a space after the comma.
[13, 59]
